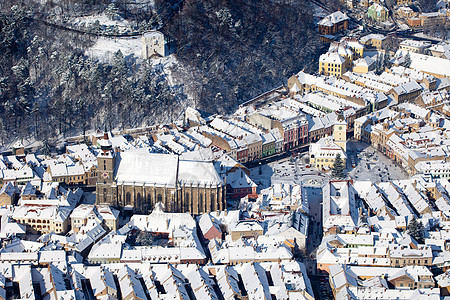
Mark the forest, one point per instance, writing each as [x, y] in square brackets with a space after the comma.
[228, 52]
[236, 50]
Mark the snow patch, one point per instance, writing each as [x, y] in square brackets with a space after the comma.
[105, 48]
[103, 20]
[166, 64]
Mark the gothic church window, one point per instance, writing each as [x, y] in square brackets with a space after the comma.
[128, 199]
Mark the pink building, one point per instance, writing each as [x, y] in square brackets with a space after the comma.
[209, 227]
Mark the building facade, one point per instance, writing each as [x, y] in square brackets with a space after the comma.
[377, 13]
[333, 23]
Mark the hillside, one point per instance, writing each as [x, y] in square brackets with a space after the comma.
[235, 50]
[70, 78]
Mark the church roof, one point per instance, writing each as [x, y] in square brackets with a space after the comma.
[198, 172]
[141, 167]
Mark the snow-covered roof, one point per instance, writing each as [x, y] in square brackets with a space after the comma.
[140, 166]
[332, 57]
[427, 64]
[333, 19]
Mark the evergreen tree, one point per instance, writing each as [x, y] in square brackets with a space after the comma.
[95, 27]
[387, 60]
[382, 58]
[416, 230]
[112, 12]
[390, 3]
[407, 62]
[338, 168]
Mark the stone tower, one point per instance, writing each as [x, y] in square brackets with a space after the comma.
[153, 44]
[340, 131]
[105, 171]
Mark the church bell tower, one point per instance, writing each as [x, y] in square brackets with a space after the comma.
[340, 131]
[105, 171]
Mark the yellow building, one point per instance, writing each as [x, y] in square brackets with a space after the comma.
[69, 174]
[364, 3]
[373, 40]
[101, 213]
[356, 47]
[347, 54]
[43, 218]
[332, 64]
[246, 229]
[9, 194]
[323, 153]
[363, 65]
[433, 19]
[406, 12]
[413, 46]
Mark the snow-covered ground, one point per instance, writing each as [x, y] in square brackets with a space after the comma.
[166, 63]
[104, 48]
[142, 4]
[176, 76]
[371, 164]
[284, 171]
[121, 24]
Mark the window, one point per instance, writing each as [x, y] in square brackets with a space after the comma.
[149, 202]
[213, 201]
[139, 199]
[128, 199]
[186, 201]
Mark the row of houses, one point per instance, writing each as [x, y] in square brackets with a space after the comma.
[150, 254]
[368, 249]
[410, 135]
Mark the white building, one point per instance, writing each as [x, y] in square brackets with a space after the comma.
[436, 168]
[339, 205]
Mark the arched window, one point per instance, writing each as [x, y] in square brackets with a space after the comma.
[104, 165]
[186, 202]
[213, 202]
[159, 198]
[149, 202]
[139, 200]
[104, 195]
[128, 199]
[200, 203]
